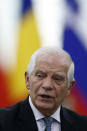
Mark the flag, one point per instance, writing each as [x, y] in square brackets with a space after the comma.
[75, 43]
[28, 43]
[21, 38]
[12, 81]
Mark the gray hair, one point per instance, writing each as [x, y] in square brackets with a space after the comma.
[70, 73]
[47, 50]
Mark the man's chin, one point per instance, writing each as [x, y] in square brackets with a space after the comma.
[44, 106]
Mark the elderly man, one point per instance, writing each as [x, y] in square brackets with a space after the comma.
[49, 79]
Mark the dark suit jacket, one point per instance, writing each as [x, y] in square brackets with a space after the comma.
[20, 117]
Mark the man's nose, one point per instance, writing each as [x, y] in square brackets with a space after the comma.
[47, 84]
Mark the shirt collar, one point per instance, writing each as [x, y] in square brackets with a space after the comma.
[56, 115]
[39, 115]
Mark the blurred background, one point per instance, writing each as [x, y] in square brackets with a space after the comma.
[26, 25]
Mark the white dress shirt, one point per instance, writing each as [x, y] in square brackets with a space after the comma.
[56, 125]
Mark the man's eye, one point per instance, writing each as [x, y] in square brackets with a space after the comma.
[58, 79]
[39, 75]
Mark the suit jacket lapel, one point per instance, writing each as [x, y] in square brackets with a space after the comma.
[67, 122]
[26, 119]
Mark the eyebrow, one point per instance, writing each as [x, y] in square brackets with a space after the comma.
[60, 74]
[43, 71]
[40, 71]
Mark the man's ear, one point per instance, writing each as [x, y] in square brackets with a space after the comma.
[70, 87]
[27, 80]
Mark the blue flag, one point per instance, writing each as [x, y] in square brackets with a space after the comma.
[74, 43]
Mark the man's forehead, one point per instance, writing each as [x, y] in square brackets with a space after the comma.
[45, 71]
[50, 68]
[53, 60]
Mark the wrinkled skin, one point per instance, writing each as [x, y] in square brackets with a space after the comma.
[48, 83]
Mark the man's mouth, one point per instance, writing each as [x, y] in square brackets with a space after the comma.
[45, 97]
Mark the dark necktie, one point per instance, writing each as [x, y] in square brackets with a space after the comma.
[48, 122]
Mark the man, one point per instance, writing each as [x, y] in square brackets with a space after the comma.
[49, 79]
